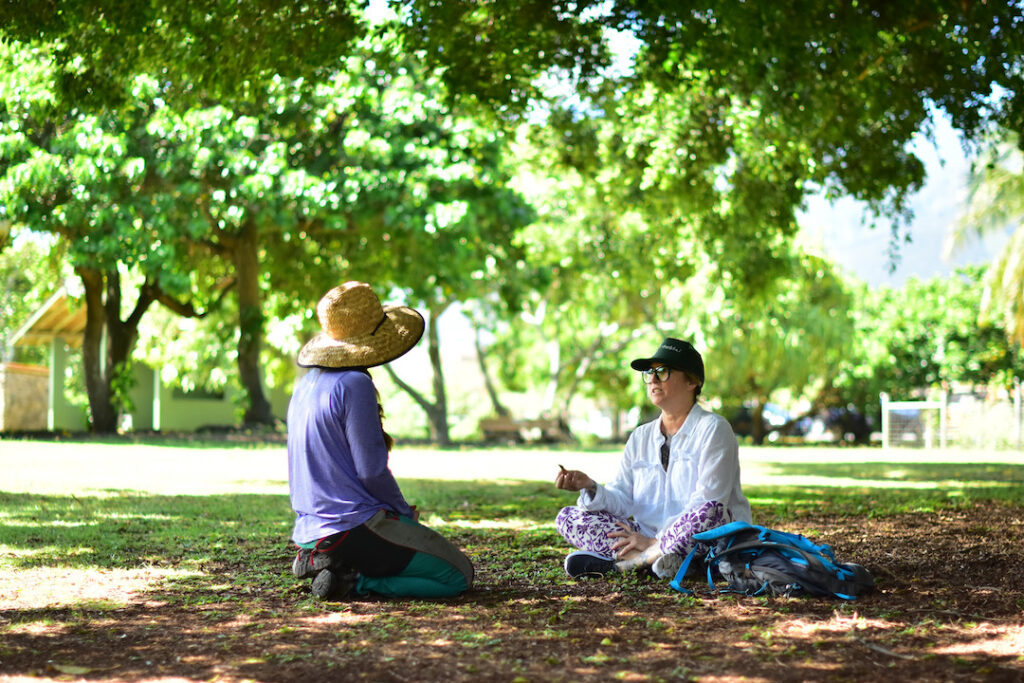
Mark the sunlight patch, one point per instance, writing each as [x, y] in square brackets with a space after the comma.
[46, 587]
[803, 628]
[137, 515]
[343, 618]
[987, 639]
[43, 550]
[53, 523]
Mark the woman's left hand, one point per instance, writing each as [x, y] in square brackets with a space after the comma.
[629, 541]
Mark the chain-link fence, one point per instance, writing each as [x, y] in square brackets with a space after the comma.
[957, 419]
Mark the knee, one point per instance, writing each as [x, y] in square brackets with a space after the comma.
[565, 519]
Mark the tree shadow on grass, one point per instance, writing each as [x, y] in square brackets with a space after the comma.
[233, 609]
[126, 529]
[601, 630]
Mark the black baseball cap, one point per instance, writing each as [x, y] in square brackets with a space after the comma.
[678, 355]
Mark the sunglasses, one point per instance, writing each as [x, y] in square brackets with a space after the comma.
[662, 372]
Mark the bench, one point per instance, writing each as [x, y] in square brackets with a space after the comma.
[543, 430]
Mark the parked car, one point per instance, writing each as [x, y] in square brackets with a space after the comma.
[776, 421]
[839, 424]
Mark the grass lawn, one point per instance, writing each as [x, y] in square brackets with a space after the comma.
[170, 559]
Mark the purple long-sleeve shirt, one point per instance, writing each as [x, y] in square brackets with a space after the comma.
[338, 472]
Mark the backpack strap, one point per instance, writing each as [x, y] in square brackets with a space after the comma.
[718, 532]
[677, 582]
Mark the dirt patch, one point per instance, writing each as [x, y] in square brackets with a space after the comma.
[950, 606]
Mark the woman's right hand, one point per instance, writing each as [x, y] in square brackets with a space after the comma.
[573, 480]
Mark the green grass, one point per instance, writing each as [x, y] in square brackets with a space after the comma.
[198, 537]
[201, 533]
[124, 527]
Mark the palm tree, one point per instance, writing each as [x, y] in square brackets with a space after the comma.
[995, 203]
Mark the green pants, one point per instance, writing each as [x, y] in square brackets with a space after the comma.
[425, 576]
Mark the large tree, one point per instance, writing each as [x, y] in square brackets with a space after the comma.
[361, 175]
[85, 179]
[849, 85]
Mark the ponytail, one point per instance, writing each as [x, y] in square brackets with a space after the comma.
[389, 442]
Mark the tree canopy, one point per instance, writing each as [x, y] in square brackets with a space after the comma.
[846, 86]
[220, 142]
[208, 50]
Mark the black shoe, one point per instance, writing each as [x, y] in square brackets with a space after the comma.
[585, 563]
[309, 562]
[332, 584]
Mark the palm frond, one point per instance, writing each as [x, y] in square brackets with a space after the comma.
[995, 195]
[1003, 298]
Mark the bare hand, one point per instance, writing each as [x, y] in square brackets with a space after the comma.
[573, 480]
[630, 542]
[415, 513]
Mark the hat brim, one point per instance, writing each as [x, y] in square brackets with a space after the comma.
[644, 363]
[397, 334]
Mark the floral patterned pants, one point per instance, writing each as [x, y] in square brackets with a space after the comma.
[589, 530]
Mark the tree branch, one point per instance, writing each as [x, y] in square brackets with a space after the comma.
[416, 396]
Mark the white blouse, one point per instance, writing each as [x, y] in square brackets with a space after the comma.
[703, 467]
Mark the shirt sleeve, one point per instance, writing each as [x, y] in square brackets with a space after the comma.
[719, 468]
[369, 452]
[617, 496]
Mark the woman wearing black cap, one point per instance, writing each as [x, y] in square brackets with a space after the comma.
[679, 475]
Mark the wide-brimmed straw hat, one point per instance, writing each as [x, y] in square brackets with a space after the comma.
[358, 332]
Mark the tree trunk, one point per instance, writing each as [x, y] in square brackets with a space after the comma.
[103, 312]
[250, 325]
[122, 335]
[102, 415]
[437, 412]
[757, 432]
[492, 394]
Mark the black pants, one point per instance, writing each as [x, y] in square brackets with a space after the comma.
[365, 552]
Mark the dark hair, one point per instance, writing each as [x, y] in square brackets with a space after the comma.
[389, 441]
[696, 380]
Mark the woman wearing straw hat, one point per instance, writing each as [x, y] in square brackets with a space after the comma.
[355, 531]
[679, 475]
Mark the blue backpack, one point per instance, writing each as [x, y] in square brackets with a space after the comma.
[755, 560]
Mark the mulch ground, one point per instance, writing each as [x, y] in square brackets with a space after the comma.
[949, 607]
